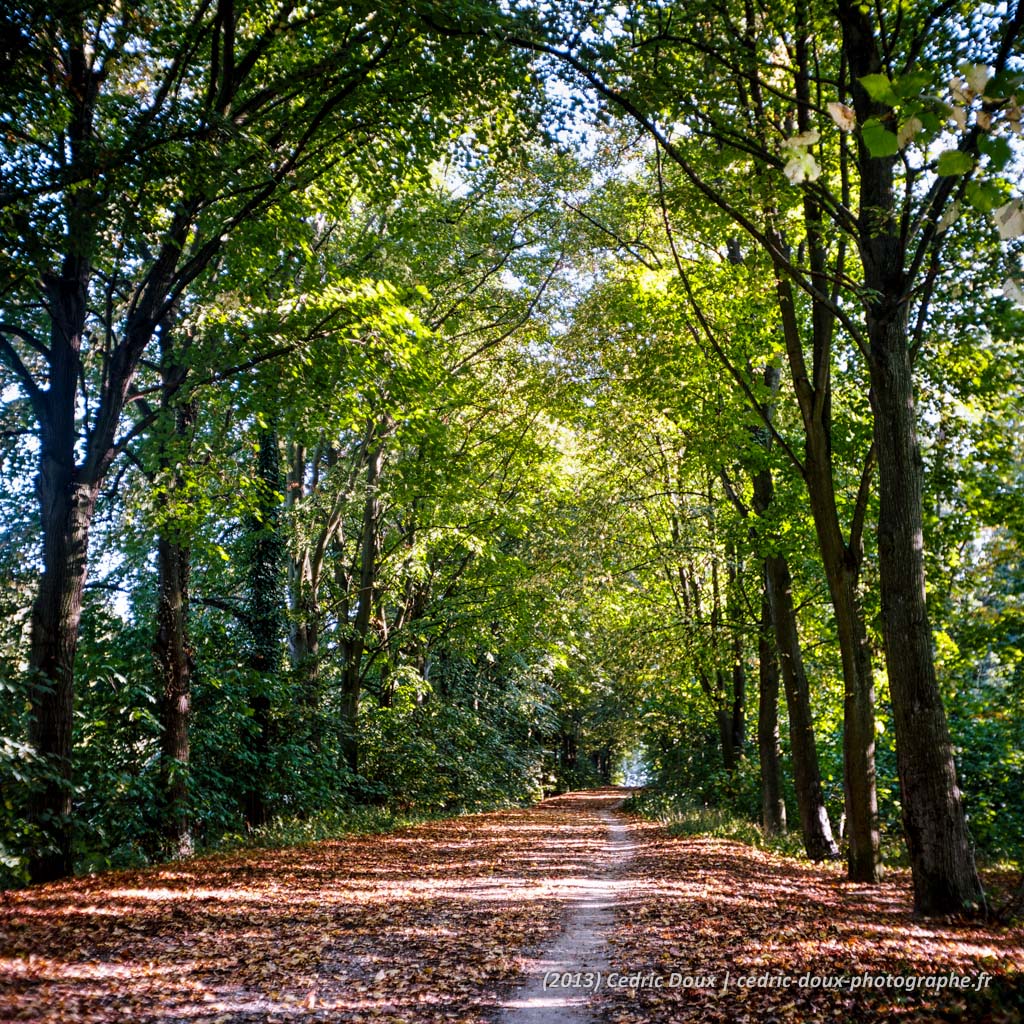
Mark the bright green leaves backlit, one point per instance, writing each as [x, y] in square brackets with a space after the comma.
[979, 112]
[879, 140]
[952, 162]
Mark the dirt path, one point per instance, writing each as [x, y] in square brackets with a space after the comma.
[561, 981]
[457, 922]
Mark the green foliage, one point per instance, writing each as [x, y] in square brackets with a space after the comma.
[983, 668]
[331, 823]
[462, 742]
[953, 162]
[473, 423]
[879, 140]
[683, 817]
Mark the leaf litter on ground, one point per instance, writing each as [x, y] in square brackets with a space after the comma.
[435, 923]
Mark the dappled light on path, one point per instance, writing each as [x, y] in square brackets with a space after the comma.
[775, 939]
[447, 922]
[430, 923]
[562, 980]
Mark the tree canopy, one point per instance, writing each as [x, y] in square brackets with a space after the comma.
[431, 406]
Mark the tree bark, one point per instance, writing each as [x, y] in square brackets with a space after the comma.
[266, 620]
[819, 842]
[67, 502]
[842, 565]
[725, 738]
[773, 806]
[171, 646]
[817, 830]
[841, 562]
[174, 660]
[941, 859]
[67, 510]
[864, 859]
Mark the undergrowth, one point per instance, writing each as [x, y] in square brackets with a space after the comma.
[683, 817]
[333, 823]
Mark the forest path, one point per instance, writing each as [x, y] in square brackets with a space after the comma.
[445, 921]
[562, 980]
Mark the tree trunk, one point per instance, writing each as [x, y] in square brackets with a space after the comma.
[171, 647]
[67, 509]
[778, 596]
[814, 821]
[841, 562]
[725, 738]
[941, 859]
[266, 620]
[174, 661]
[864, 861]
[773, 806]
[842, 565]
[67, 502]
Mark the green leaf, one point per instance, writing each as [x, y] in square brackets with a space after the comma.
[997, 149]
[880, 89]
[953, 162]
[879, 140]
[1004, 84]
[909, 86]
[985, 196]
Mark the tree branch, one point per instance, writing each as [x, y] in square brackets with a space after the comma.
[9, 354]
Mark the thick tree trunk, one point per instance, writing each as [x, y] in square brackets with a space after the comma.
[941, 858]
[67, 502]
[174, 662]
[266, 608]
[773, 806]
[67, 510]
[817, 830]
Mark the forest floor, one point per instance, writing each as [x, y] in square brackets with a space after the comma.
[462, 920]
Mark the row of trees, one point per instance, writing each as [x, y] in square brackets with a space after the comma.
[431, 461]
[860, 116]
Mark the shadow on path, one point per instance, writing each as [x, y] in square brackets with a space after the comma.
[562, 980]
